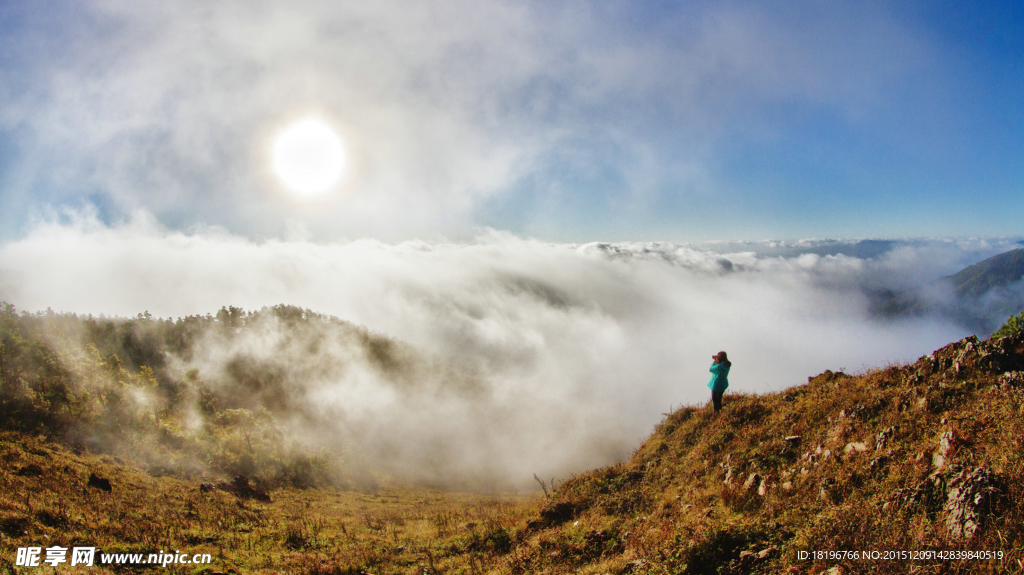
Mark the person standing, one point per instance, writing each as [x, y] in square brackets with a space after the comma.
[719, 381]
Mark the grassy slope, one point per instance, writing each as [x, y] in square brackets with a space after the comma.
[313, 531]
[680, 505]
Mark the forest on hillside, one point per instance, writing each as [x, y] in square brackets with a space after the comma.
[131, 387]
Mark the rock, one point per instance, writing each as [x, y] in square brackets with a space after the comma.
[787, 486]
[858, 447]
[878, 463]
[793, 438]
[753, 482]
[1012, 379]
[926, 493]
[969, 500]
[206, 487]
[727, 466]
[99, 483]
[883, 437]
[946, 443]
[826, 485]
[748, 556]
[636, 566]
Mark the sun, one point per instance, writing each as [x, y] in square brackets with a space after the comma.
[309, 157]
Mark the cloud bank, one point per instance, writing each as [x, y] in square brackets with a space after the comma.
[575, 350]
[171, 108]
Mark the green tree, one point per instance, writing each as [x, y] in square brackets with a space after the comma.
[1014, 325]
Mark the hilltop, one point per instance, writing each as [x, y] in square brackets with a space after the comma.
[920, 457]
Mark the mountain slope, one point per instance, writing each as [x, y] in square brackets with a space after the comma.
[977, 297]
[48, 497]
[923, 457]
[997, 271]
[235, 393]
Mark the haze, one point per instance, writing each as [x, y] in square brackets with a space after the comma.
[578, 202]
[574, 350]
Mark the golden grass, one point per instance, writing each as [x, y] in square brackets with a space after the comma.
[838, 486]
[847, 463]
[395, 529]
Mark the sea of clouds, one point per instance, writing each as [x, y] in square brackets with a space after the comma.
[576, 350]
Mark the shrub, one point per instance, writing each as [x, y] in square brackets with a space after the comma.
[714, 551]
[1014, 325]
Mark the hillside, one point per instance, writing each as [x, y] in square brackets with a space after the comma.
[49, 497]
[278, 394]
[925, 457]
[977, 297]
[997, 271]
[922, 457]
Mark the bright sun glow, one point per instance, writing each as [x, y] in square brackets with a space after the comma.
[309, 157]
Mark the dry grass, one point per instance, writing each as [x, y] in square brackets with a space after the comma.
[680, 505]
[847, 463]
[397, 529]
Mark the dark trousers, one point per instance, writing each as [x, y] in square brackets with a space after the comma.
[716, 398]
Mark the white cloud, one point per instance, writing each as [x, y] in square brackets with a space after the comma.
[170, 106]
[581, 347]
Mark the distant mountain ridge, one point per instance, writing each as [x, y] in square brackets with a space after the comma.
[979, 297]
[997, 271]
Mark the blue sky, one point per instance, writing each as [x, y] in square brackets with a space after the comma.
[570, 121]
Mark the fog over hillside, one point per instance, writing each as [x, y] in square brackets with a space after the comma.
[563, 355]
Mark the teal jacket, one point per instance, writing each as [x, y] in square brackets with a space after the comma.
[719, 377]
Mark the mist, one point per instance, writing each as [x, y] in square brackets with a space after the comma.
[514, 356]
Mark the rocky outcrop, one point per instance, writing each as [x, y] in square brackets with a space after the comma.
[967, 497]
[969, 355]
[971, 495]
[884, 436]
